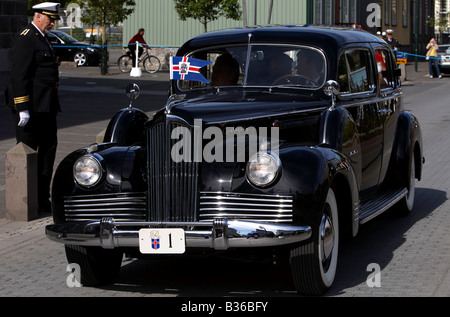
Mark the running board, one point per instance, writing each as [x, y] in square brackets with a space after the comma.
[380, 204]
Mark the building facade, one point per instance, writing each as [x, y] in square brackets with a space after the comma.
[164, 28]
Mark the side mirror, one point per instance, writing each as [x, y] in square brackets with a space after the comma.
[133, 92]
[332, 89]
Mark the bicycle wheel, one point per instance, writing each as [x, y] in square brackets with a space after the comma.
[125, 64]
[152, 64]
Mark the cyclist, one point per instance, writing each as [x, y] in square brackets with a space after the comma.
[138, 37]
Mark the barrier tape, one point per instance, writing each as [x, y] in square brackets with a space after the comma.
[116, 45]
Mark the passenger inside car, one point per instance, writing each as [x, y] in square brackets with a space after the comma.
[225, 71]
[310, 68]
[280, 65]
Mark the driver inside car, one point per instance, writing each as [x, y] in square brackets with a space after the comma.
[310, 68]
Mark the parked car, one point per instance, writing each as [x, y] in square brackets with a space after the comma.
[444, 55]
[70, 49]
[296, 137]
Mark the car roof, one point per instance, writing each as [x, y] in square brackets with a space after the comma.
[331, 37]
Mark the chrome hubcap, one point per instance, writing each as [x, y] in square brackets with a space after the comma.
[326, 240]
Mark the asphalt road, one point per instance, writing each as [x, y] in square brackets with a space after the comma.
[413, 253]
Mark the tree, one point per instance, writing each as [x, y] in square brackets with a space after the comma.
[105, 13]
[206, 11]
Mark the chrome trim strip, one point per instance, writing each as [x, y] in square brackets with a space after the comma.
[257, 207]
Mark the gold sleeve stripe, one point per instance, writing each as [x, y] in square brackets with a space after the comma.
[25, 32]
[21, 99]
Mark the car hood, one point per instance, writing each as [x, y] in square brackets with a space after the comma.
[232, 106]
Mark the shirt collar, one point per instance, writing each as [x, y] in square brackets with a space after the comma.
[38, 29]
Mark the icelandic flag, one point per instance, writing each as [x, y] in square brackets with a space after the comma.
[184, 68]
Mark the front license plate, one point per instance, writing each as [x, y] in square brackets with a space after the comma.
[162, 241]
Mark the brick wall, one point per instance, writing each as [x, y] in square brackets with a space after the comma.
[13, 15]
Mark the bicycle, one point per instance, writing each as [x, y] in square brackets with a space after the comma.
[151, 63]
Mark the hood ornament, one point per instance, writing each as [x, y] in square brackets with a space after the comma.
[133, 91]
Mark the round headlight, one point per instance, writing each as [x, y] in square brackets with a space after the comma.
[87, 171]
[263, 168]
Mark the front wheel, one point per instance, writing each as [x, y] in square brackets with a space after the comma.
[125, 63]
[80, 58]
[152, 64]
[314, 264]
[97, 266]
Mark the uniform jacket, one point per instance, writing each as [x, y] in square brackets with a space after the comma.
[34, 76]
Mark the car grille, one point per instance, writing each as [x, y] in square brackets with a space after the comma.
[252, 207]
[172, 186]
[122, 207]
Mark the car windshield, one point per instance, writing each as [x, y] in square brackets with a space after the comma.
[66, 38]
[260, 65]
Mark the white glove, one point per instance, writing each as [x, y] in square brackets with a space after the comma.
[24, 118]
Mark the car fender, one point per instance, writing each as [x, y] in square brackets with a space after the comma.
[126, 127]
[308, 173]
[123, 171]
[408, 142]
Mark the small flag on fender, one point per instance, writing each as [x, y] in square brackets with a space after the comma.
[184, 68]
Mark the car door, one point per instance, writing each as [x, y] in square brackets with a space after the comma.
[357, 86]
[390, 98]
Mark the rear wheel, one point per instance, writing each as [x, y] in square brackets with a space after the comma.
[152, 64]
[406, 205]
[125, 63]
[97, 265]
[314, 264]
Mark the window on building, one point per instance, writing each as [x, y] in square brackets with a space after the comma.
[324, 12]
[387, 8]
[405, 13]
[394, 13]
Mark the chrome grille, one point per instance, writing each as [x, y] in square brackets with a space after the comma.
[252, 207]
[122, 207]
[172, 186]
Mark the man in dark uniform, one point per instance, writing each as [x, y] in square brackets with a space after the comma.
[393, 43]
[33, 94]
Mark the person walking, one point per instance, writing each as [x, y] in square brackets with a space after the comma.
[432, 55]
[138, 37]
[33, 94]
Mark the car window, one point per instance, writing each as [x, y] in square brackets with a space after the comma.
[262, 65]
[66, 37]
[384, 68]
[52, 38]
[354, 72]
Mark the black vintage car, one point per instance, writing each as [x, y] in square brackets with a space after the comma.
[295, 138]
[70, 49]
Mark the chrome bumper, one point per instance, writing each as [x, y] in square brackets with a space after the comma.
[219, 234]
